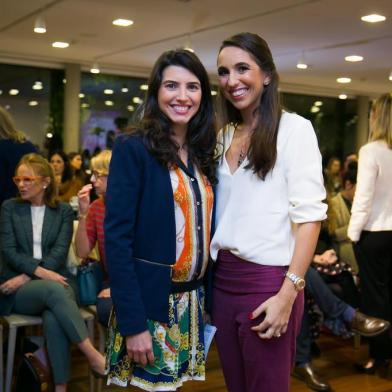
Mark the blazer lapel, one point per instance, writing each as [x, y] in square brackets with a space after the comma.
[47, 224]
[24, 213]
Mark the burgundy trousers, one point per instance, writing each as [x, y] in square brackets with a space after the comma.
[251, 364]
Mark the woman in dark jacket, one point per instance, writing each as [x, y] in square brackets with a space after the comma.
[35, 234]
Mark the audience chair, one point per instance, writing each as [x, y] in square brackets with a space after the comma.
[16, 321]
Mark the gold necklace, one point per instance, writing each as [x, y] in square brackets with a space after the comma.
[243, 151]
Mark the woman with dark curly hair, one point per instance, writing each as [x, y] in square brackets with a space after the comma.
[157, 230]
[68, 184]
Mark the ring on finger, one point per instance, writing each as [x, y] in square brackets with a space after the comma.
[278, 335]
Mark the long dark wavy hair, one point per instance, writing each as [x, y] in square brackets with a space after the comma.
[262, 150]
[155, 126]
[67, 173]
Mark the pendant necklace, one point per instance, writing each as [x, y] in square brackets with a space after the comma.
[242, 156]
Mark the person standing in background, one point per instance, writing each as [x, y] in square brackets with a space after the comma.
[13, 145]
[370, 228]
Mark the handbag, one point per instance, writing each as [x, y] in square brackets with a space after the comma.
[33, 373]
[90, 281]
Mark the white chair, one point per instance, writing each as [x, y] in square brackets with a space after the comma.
[15, 321]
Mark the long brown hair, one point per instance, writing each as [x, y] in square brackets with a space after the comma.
[8, 129]
[262, 151]
[41, 167]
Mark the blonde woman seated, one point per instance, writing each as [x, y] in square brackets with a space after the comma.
[90, 228]
[35, 234]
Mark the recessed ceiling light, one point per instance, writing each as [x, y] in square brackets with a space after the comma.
[49, 135]
[108, 91]
[343, 80]
[390, 77]
[124, 89]
[342, 96]
[109, 103]
[302, 65]
[144, 87]
[60, 44]
[37, 85]
[353, 58]
[123, 22]
[39, 26]
[137, 100]
[33, 103]
[213, 92]
[314, 109]
[95, 69]
[13, 91]
[131, 108]
[84, 105]
[318, 103]
[81, 95]
[64, 81]
[373, 18]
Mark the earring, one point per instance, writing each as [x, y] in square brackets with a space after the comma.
[44, 187]
[266, 82]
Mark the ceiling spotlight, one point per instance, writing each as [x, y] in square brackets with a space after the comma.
[343, 80]
[60, 44]
[84, 105]
[33, 103]
[108, 91]
[95, 69]
[39, 25]
[123, 22]
[131, 108]
[49, 135]
[137, 100]
[13, 91]
[124, 89]
[373, 18]
[390, 77]
[109, 103]
[37, 85]
[353, 58]
[318, 103]
[314, 109]
[81, 95]
[144, 87]
[64, 81]
[342, 96]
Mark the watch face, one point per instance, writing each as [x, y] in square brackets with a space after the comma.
[300, 285]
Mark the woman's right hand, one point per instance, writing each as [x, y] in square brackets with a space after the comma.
[84, 199]
[139, 348]
[46, 274]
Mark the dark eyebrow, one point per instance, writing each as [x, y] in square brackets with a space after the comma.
[242, 64]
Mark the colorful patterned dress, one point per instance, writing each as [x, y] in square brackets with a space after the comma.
[179, 345]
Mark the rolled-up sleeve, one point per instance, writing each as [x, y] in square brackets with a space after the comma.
[306, 190]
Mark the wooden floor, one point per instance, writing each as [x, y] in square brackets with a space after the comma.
[335, 364]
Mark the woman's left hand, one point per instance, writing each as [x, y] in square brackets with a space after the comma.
[13, 284]
[277, 311]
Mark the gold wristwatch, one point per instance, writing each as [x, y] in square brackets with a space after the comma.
[298, 282]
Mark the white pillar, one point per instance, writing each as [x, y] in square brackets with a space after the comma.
[363, 121]
[71, 135]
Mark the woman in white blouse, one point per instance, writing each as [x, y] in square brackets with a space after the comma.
[269, 208]
[35, 234]
[371, 227]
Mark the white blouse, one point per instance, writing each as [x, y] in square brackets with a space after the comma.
[372, 205]
[256, 219]
[37, 218]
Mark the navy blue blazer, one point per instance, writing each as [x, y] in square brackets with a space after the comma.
[139, 223]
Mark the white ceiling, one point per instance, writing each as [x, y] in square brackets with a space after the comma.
[324, 30]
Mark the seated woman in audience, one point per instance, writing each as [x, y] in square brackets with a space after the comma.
[333, 180]
[13, 145]
[68, 185]
[35, 234]
[76, 162]
[90, 228]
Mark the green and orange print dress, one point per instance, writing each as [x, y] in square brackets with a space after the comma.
[179, 345]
